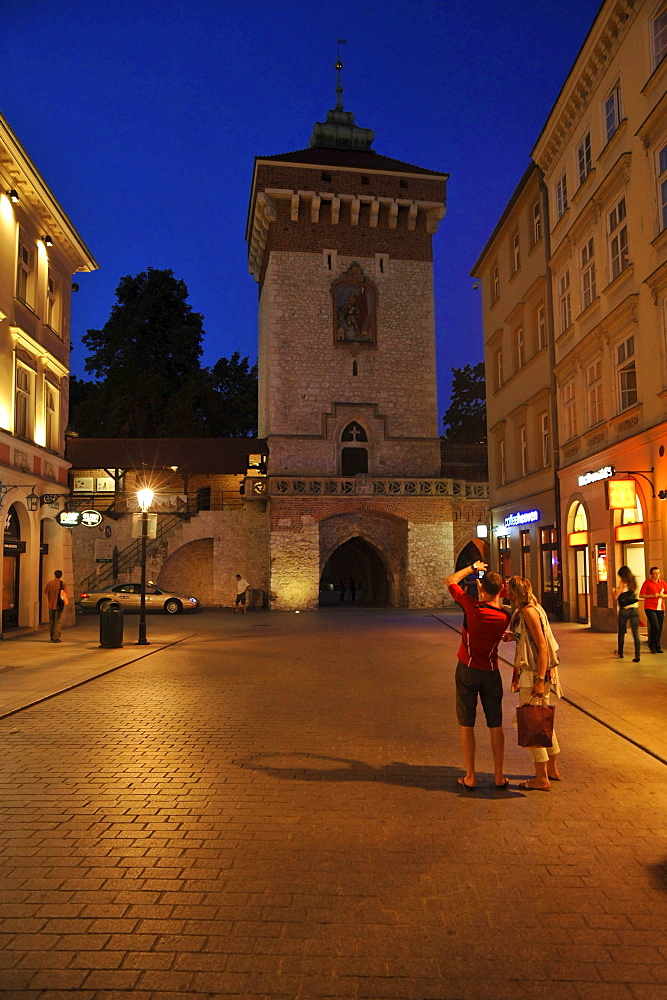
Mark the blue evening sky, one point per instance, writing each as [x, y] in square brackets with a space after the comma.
[144, 116]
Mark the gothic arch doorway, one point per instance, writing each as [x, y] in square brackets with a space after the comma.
[357, 561]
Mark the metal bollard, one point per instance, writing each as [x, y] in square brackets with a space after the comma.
[111, 626]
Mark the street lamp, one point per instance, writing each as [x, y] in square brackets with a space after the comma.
[145, 499]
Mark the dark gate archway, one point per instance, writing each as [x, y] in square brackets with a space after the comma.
[357, 561]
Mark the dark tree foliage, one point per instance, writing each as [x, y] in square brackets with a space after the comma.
[465, 420]
[150, 383]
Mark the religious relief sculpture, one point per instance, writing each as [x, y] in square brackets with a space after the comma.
[354, 308]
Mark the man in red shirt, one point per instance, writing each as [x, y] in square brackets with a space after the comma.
[484, 622]
[654, 592]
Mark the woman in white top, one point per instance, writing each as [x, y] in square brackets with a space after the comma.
[535, 670]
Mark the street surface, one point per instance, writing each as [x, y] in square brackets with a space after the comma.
[269, 808]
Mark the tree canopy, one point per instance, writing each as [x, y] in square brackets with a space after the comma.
[149, 380]
[465, 419]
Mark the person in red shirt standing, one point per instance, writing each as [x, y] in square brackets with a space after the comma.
[654, 592]
[477, 675]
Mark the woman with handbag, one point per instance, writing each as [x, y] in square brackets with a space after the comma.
[535, 671]
[628, 610]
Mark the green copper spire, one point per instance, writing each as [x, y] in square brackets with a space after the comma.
[339, 130]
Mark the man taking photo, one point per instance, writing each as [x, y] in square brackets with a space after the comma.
[477, 675]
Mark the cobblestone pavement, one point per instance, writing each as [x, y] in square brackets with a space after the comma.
[269, 809]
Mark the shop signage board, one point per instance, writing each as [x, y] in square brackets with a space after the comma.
[595, 477]
[521, 517]
[621, 494]
[72, 518]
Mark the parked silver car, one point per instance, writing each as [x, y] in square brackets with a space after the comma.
[128, 595]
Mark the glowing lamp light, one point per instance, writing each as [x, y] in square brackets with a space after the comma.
[482, 531]
[145, 498]
[13, 196]
[48, 242]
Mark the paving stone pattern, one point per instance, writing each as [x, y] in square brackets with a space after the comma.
[270, 809]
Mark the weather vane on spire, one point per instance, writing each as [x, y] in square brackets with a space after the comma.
[339, 85]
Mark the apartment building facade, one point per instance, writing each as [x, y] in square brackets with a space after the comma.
[602, 160]
[39, 252]
[518, 348]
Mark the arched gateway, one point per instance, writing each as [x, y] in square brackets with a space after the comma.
[358, 566]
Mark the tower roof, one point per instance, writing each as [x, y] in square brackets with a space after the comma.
[362, 159]
[339, 130]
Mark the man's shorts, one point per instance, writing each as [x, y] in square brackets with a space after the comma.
[488, 684]
[240, 598]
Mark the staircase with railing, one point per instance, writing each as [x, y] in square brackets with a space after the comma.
[129, 556]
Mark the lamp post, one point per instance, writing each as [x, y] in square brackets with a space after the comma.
[145, 498]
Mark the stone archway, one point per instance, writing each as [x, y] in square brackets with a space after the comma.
[355, 560]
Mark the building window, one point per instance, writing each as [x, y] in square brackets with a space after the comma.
[50, 417]
[569, 410]
[523, 447]
[662, 186]
[541, 328]
[499, 369]
[23, 409]
[561, 196]
[626, 374]
[545, 438]
[584, 158]
[565, 301]
[526, 568]
[516, 253]
[594, 392]
[25, 275]
[52, 302]
[520, 348]
[588, 283]
[495, 284]
[537, 223]
[504, 557]
[612, 111]
[659, 37]
[618, 239]
[502, 470]
[549, 553]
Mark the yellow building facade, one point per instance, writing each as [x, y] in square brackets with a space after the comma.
[601, 160]
[39, 252]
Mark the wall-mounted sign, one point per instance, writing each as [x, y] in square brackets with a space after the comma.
[522, 517]
[577, 538]
[630, 532]
[594, 477]
[482, 531]
[91, 518]
[621, 494]
[70, 518]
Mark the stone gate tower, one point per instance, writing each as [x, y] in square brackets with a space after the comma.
[340, 242]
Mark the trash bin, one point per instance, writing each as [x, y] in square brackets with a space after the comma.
[111, 626]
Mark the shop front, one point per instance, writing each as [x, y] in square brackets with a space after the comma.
[525, 543]
[608, 521]
[13, 549]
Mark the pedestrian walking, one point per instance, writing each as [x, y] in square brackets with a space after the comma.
[56, 598]
[241, 588]
[628, 610]
[477, 675]
[653, 593]
[535, 670]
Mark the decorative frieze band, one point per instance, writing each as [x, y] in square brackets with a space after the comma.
[329, 486]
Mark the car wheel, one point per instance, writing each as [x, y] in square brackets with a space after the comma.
[101, 605]
[172, 606]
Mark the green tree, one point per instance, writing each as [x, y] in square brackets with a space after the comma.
[149, 380]
[465, 419]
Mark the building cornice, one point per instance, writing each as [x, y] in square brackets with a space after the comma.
[599, 48]
[24, 176]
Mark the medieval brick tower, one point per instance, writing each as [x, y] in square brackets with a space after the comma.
[340, 242]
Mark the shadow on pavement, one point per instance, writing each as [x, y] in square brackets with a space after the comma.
[432, 778]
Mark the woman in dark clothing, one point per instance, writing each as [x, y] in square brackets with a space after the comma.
[628, 610]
